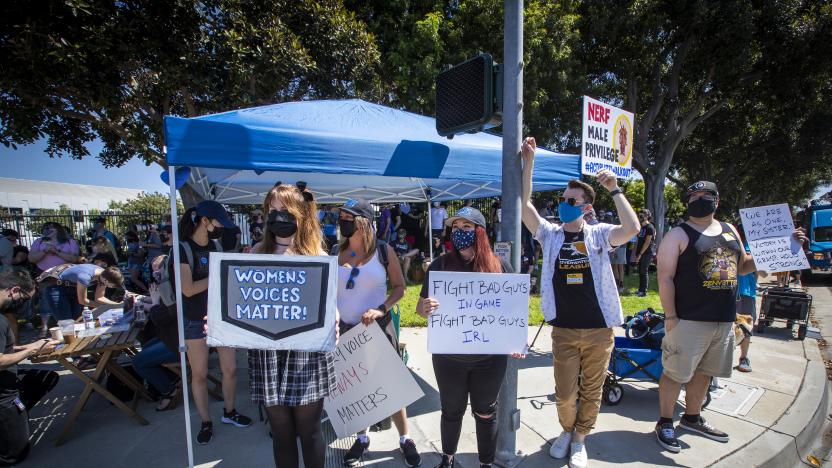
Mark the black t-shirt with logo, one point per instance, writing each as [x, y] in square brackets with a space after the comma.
[196, 306]
[401, 246]
[646, 230]
[575, 298]
[8, 375]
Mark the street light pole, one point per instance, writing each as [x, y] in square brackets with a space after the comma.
[508, 416]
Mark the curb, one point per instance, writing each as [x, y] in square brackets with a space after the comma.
[796, 431]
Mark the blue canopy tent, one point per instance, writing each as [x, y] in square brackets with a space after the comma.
[342, 149]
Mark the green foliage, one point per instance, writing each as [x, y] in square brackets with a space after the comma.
[146, 203]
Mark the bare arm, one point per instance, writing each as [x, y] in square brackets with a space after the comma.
[190, 287]
[99, 296]
[746, 263]
[531, 218]
[629, 226]
[26, 351]
[668, 258]
[394, 272]
[81, 293]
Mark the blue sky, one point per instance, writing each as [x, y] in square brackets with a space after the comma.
[32, 162]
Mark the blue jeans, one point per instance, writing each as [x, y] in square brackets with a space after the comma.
[58, 302]
[148, 364]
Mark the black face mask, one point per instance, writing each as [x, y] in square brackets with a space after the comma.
[347, 228]
[282, 224]
[216, 233]
[701, 208]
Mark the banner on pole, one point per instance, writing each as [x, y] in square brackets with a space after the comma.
[608, 134]
[272, 301]
[769, 230]
[479, 313]
[372, 381]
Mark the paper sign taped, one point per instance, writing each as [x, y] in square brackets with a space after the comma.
[479, 313]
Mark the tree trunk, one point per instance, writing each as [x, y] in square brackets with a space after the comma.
[654, 191]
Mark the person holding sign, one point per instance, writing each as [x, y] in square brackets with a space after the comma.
[460, 376]
[579, 298]
[365, 264]
[292, 384]
[699, 263]
[200, 229]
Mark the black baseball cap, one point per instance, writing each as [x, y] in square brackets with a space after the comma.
[701, 186]
[10, 233]
[469, 214]
[99, 219]
[359, 207]
[214, 210]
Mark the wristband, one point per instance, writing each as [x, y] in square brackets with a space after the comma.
[615, 192]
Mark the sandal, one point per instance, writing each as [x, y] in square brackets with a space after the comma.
[168, 402]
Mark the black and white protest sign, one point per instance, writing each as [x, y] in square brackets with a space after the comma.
[769, 231]
[479, 313]
[372, 382]
[272, 301]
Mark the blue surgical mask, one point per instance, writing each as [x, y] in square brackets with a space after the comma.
[568, 213]
[463, 239]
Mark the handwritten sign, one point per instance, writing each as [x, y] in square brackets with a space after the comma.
[769, 232]
[503, 251]
[607, 139]
[479, 313]
[272, 302]
[372, 382]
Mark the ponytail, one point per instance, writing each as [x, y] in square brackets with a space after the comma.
[188, 223]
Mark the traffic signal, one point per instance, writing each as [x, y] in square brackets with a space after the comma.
[469, 97]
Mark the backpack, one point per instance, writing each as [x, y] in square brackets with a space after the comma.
[167, 289]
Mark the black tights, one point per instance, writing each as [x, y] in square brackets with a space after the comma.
[290, 422]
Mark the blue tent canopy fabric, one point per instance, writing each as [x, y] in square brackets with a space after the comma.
[343, 149]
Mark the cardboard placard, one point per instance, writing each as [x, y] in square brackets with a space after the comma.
[258, 301]
[479, 313]
[769, 230]
[608, 136]
[372, 381]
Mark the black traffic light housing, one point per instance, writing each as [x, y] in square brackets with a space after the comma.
[469, 97]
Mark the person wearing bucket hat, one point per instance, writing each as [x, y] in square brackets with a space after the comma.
[366, 266]
[200, 231]
[461, 377]
[579, 298]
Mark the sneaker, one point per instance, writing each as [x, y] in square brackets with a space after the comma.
[447, 462]
[235, 418]
[745, 365]
[704, 428]
[411, 455]
[354, 454]
[641, 294]
[206, 433]
[560, 446]
[578, 457]
[666, 436]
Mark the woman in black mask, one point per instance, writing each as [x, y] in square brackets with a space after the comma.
[292, 384]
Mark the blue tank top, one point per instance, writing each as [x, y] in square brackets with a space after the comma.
[82, 273]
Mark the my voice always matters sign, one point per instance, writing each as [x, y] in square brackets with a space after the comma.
[372, 382]
[272, 301]
[479, 313]
[769, 232]
[607, 139]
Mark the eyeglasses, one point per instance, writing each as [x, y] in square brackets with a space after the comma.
[570, 201]
[351, 280]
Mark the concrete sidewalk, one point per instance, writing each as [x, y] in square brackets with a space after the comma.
[788, 374]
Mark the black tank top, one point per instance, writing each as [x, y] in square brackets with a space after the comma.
[706, 276]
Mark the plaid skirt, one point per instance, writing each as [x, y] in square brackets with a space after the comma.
[290, 378]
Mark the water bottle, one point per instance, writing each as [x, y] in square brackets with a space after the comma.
[89, 321]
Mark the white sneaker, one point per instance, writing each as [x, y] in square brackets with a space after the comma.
[560, 446]
[578, 458]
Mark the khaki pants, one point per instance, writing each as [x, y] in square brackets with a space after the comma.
[585, 352]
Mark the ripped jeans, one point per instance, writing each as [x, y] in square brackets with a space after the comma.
[459, 377]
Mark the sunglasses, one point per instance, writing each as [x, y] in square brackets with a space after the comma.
[570, 201]
[351, 280]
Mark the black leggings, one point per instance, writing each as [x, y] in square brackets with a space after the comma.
[290, 422]
[457, 379]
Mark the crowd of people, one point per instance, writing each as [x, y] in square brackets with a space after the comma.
[584, 260]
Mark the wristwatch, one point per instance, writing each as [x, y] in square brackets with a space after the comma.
[615, 192]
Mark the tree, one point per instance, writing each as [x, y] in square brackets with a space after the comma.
[146, 203]
[677, 64]
[75, 70]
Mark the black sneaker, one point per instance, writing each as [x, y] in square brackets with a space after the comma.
[411, 455]
[235, 418]
[666, 436]
[704, 428]
[447, 462]
[206, 433]
[354, 454]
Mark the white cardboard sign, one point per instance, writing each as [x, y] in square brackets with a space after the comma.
[372, 381]
[769, 232]
[608, 135]
[259, 301]
[479, 313]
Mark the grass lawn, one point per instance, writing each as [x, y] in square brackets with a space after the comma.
[630, 302]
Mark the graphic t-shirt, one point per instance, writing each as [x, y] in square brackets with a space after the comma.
[574, 288]
[401, 246]
[196, 306]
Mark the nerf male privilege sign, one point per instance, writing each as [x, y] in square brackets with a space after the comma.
[272, 301]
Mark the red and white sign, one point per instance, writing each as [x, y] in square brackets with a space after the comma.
[608, 134]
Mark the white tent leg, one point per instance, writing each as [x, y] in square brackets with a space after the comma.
[430, 231]
[179, 314]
